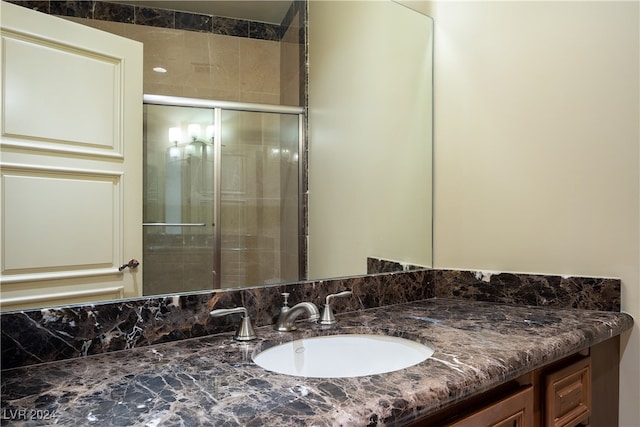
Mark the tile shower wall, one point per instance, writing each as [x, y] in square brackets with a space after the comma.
[206, 56]
[171, 269]
[293, 51]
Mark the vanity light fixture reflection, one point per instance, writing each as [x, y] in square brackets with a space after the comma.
[193, 130]
[175, 135]
[210, 132]
[193, 144]
[174, 152]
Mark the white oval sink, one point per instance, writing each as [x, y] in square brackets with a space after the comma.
[342, 356]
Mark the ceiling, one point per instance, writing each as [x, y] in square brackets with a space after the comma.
[270, 11]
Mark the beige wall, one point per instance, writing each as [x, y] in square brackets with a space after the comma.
[536, 146]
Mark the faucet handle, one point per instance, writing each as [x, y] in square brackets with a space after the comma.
[285, 296]
[245, 331]
[327, 313]
[339, 294]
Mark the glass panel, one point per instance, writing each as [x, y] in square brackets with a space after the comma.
[259, 198]
[179, 199]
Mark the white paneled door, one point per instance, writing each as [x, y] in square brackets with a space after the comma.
[71, 162]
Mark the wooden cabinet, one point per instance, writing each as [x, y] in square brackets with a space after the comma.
[567, 395]
[556, 395]
[515, 410]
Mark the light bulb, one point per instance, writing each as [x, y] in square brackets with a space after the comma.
[175, 135]
[174, 152]
[210, 132]
[193, 130]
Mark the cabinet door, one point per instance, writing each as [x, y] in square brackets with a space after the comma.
[568, 395]
[515, 410]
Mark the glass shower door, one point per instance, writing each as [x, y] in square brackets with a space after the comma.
[179, 199]
[259, 192]
[221, 195]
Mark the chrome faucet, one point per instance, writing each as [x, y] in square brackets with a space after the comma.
[288, 315]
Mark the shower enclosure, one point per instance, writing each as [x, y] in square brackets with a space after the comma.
[221, 194]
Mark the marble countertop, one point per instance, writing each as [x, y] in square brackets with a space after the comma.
[212, 380]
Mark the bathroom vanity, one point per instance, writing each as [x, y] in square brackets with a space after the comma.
[486, 356]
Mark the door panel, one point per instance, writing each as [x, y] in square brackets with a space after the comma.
[71, 189]
[95, 79]
[56, 204]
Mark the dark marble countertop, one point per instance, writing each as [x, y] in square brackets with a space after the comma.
[213, 381]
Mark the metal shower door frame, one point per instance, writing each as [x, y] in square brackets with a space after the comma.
[218, 107]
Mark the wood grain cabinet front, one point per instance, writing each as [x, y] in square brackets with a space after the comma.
[568, 395]
[515, 410]
[558, 394]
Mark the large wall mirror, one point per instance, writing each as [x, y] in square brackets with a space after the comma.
[356, 179]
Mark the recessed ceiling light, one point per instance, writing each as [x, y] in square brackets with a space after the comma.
[159, 70]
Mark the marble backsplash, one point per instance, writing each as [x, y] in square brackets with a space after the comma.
[38, 336]
[587, 293]
[380, 265]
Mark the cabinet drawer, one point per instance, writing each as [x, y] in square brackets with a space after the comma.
[568, 395]
[515, 410]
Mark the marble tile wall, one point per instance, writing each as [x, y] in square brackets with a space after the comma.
[157, 17]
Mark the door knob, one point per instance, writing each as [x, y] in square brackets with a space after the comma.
[133, 263]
